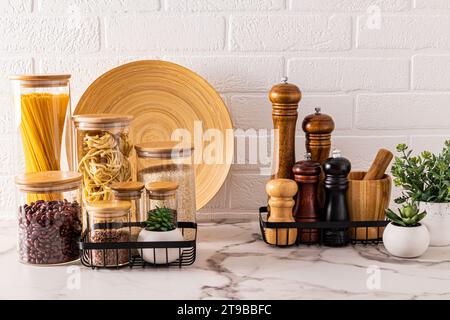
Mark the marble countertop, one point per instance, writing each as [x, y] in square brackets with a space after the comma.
[234, 263]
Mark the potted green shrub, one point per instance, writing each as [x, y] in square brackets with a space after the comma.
[160, 227]
[404, 236]
[425, 179]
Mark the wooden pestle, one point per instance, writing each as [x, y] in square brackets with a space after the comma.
[379, 165]
[281, 202]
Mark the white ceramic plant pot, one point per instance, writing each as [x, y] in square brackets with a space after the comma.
[437, 222]
[158, 256]
[406, 242]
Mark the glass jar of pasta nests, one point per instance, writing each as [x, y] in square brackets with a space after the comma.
[170, 161]
[103, 152]
[42, 114]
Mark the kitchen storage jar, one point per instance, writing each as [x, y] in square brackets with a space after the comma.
[103, 152]
[132, 191]
[42, 114]
[170, 161]
[162, 194]
[109, 223]
[49, 217]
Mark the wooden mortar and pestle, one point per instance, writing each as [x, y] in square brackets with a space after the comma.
[369, 195]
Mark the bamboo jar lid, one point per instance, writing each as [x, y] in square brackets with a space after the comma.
[161, 187]
[93, 120]
[124, 187]
[108, 208]
[41, 80]
[52, 180]
[318, 123]
[163, 149]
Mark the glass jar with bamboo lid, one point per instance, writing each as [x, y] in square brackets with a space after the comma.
[162, 194]
[103, 152]
[43, 111]
[49, 217]
[170, 161]
[108, 222]
[132, 191]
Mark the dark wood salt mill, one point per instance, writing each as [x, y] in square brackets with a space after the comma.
[307, 175]
[318, 128]
[285, 98]
[336, 171]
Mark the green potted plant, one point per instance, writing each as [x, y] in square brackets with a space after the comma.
[404, 236]
[425, 179]
[160, 227]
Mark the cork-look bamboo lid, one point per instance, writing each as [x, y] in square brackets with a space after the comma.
[48, 180]
[165, 149]
[102, 119]
[127, 186]
[108, 208]
[285, 93]
[41, 80]
[318, 123]
[161, 187]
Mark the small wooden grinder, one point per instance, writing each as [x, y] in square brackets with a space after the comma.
[285, 98]
[281, 202]
[318, 128]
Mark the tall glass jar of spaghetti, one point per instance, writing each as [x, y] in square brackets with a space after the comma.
[103, 153]
[42, 114]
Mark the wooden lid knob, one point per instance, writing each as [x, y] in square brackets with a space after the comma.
[281, 188]
[285, 93]
[318, 123]
[306, 168]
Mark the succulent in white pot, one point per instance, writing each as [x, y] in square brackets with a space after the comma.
[404, 236]
[425, 179]
[160, 227]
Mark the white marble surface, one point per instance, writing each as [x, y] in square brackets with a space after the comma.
[233, 263]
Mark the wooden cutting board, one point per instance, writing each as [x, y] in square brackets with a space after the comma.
[164, 96]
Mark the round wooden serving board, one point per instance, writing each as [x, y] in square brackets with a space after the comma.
[162, 97]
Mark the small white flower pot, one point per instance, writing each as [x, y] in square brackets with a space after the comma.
[158, 256]
[437, 222]
[406, 242]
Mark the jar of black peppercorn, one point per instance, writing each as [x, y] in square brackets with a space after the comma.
[49, 217]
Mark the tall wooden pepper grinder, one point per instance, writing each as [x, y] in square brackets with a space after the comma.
[281, 202]
[307, 173]
[285, 98]
[336, 170]
[318, 128]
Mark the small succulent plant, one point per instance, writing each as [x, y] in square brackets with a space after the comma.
[408, 216]
[160, 219]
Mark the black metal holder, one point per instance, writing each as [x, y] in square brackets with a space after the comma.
[186, 250]
[307, 228]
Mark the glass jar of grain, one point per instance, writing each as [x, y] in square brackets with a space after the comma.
[42, 116]
[103, 152]
[108, 222]
[170, 161]
[49, 217]
[132, 191]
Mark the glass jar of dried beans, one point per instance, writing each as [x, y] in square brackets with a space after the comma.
[49, 217]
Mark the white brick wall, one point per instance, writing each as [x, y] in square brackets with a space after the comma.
[382, 84]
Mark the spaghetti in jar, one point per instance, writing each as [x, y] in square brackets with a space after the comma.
[103, 152]
[43, 112]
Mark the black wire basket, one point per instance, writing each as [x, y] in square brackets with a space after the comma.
[318, 233]
[119, 254]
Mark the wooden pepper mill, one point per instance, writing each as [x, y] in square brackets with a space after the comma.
[318, 128]
[336, 171]
[281, 202]
[285, 98]
[307, 175]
